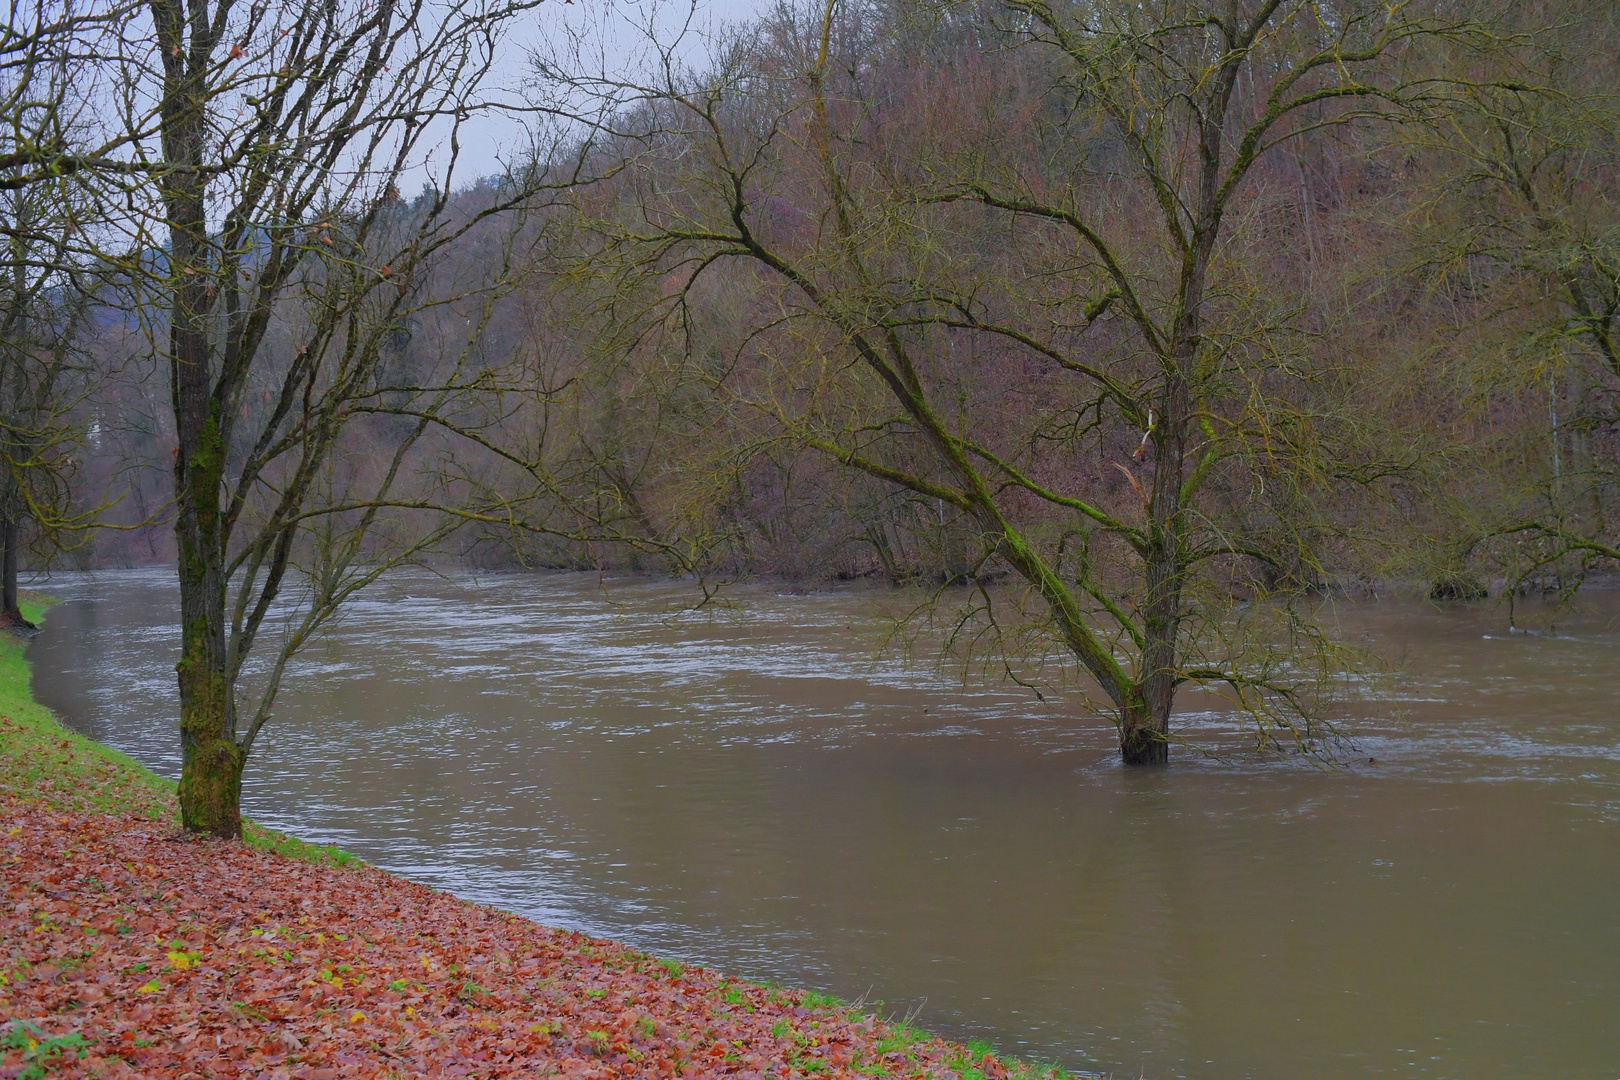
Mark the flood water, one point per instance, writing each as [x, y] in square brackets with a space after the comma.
[762, 791]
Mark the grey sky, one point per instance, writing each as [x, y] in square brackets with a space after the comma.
[486, 139]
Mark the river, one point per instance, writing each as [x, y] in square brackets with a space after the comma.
[762, 790]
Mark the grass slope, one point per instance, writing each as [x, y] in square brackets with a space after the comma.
[41, 759]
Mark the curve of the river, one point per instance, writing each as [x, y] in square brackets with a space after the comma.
[759, 790]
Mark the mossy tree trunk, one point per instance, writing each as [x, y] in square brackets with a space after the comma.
[211, 759]
[211, 755]
[293, 206]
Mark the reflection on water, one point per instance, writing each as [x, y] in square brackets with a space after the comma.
[759, 794]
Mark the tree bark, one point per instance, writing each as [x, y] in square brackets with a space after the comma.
[211, 757]
[1145, 719]
[1144, 735]
[211, 761]
[10, 612]
[11, 616]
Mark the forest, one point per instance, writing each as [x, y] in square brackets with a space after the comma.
[1119, 333]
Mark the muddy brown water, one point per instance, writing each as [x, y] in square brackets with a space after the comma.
[764, 793]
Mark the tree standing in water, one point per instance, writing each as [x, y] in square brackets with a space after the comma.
[1089, 254]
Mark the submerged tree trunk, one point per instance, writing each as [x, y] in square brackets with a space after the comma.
[1144, 735]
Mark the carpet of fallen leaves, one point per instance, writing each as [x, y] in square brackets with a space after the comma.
[127, 950]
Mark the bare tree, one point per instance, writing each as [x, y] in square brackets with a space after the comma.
[47, 284]
[45, 375]
[1521, 218]
[1090, 251]
[53, 54]
[278, 270]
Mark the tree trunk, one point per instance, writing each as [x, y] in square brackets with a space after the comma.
[210, 759]
[1145, 716]
[1144, 734]
[9, 611]
[11, 616]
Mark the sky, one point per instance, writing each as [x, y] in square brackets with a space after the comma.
[616, 28]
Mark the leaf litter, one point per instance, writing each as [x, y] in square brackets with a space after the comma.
[129, 951]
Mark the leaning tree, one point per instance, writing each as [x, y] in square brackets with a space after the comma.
[1024, 275]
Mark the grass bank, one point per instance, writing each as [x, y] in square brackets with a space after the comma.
[40, 758]
[128, 950]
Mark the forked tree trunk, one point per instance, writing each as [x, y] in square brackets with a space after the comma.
[211, 758]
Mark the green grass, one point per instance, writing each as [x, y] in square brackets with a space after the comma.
[38, 1049]
[901, 1038]
[814, 1000]
[42, 761]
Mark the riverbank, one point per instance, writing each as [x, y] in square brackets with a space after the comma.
[129, 950]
